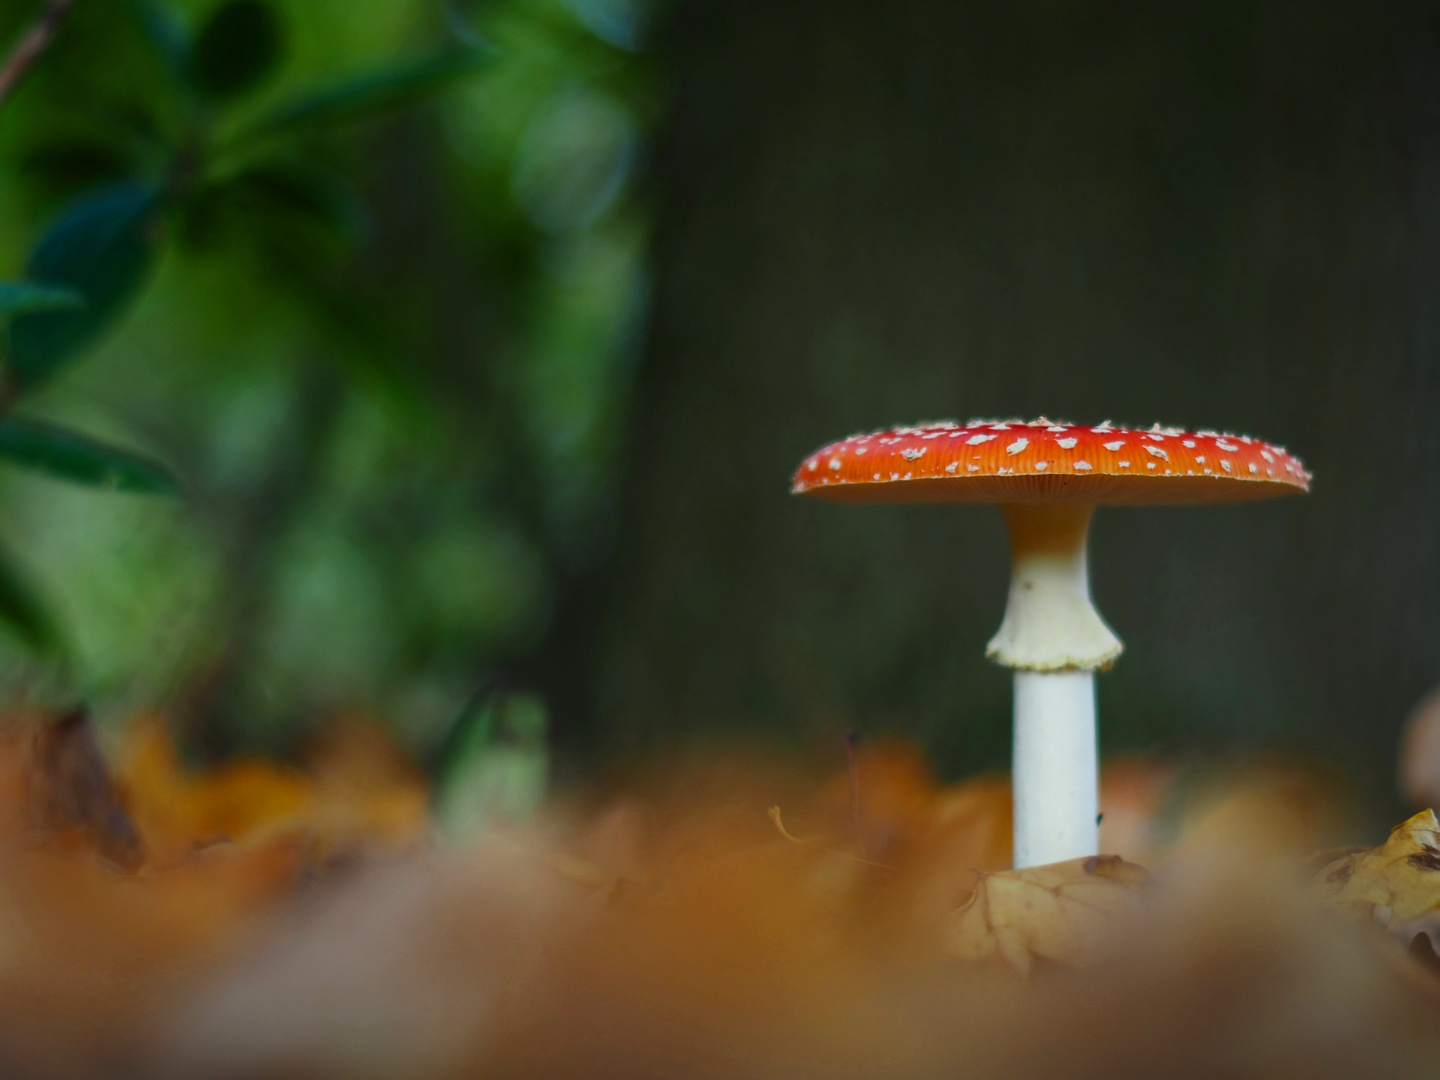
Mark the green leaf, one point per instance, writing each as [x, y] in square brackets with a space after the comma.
[299, 193]
[68, 455]
[24, 612]
[364, 95]
[23, 297]
[71, 166]
[101, 248]
[236, 49]
[165, 32]
[496, 765]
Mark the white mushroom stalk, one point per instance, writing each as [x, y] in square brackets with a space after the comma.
[1055, 640]
[1047, 478]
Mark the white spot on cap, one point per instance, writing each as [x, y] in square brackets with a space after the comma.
[1254, 468]
[1083, 466]
[1116, 445]
[933, 435]
[1149, 465]
[1016, 446]
[1041, 466]
[976, 440]
[1157, 452]
[835, 463]
[860, 450]
[908, 475]
[952, 466]
[1269, 472]
[1124, 464]
[1004, 471]
[1104, 425]
[912, 453]
[1066, 443]
[877, 476]
[1200, 458]
[1223, 445]
[813, 464]
[1188, 443]
[1056, 427]
[1151, 435]
[1268, 456]
[973, 468]
[957, 434]
[894, 476]
[1224, 464]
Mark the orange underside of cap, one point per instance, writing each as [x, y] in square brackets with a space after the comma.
[1041, 461]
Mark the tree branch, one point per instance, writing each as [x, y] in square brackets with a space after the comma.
[31, 44]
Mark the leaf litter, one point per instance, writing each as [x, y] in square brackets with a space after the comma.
[262, 920]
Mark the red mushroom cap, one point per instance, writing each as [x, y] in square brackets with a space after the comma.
[1017, 461]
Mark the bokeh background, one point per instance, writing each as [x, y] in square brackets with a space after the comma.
[481, 339]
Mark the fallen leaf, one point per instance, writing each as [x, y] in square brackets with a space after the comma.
[1134, 793]
[368, 793]
[357, 792]
[1396, 883]
[1266, 807]
[244, 801]
[69, 790]
[1056, 914]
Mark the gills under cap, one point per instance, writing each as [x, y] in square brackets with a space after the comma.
[1017, 461]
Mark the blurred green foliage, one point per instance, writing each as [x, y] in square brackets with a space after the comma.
[366, 277]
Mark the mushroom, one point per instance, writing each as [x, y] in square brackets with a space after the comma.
[1047, 479]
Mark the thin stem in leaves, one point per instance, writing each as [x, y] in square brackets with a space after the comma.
[32, 44]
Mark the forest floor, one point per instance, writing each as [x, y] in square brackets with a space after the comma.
[748, 917]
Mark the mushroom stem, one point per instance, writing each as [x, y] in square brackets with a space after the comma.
[1050, 621]
[1055, 639]
[1055, 771]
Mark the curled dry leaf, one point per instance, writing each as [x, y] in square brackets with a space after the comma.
[1056, 914]
[69, 792]
[356, 793]
[1397, 883]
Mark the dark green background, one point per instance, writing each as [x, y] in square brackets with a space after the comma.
[1221, 215]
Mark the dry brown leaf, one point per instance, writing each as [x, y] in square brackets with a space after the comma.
[1056, 914]
[1269, 808]
[1395, 883]
[1134, 793]
[666, 932]
[899, 813]
[178, 811]
[368, 793]
[358, 792]
[486, 962]
[70, 792]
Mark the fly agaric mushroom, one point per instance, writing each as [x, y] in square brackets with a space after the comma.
[1047, 479]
